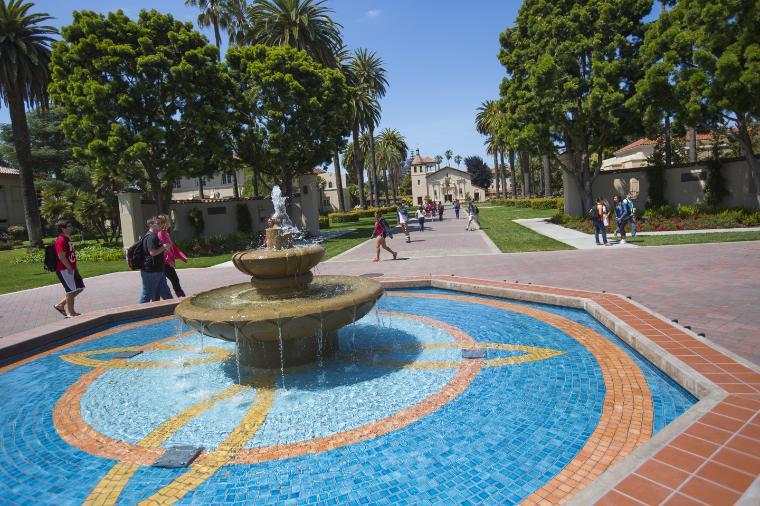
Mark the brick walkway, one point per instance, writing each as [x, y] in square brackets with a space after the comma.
[711, 287]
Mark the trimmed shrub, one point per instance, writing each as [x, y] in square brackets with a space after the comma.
[547, 203]
[17, 232]
[324, 221]
[92, 253]
[195, 216]
[351, 217]
[523, 203]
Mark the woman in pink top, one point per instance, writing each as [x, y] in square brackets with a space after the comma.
[171, 255]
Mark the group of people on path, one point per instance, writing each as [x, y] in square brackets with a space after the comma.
[159, 256]
[625, 213]
[382, 229]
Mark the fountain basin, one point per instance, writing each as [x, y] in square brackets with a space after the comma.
[274, 333]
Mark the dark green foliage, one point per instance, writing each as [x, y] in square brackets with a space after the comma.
[244, 222]
[217, 245]
[324, 221]
[655, 175]
[479, 171]
[716, 188]
[343, 217]
[145, 99]
[195, 217]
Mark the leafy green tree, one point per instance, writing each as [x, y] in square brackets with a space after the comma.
[479, 171]
[571, 66]
[50, 149]
[405, 188]
[24, 76]
[301, 24]
[145, 99]
[295, 109]
[703, 56]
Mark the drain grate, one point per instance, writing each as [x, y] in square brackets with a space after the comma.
[371, 275]
[178, 456]
[473, 353]
[126, 354]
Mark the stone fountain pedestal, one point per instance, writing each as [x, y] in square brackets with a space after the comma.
[285, 316]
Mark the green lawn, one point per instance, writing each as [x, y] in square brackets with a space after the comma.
[510, 237]
[360, 232]
[664, 240]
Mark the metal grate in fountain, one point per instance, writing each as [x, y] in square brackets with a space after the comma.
[178, 456]
[125, 354]
[473, 353]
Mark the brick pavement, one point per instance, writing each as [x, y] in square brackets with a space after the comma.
[711, 287]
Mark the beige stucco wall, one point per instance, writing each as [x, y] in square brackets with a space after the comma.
[187, 188]
[608, 184]
[11, 201]
[330, 201]
[220, 217]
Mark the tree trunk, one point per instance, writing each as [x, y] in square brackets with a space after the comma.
[496, 171]
[385, 176]
[287, 183]
[503, 173]
[373, 176]
[255, 181]
[693, 145]
[512, 178]
[235, 189]
[358, 167]
[547, 176]
[668, 148]
[394, 181]
[24, 155]
[339, 182]
[525, 169]
[754, 166]
[200, 188]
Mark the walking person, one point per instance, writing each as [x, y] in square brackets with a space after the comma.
[457, 206]
[152, 272]
[421, 218]
[600, 216]
[66, 268]
[440, 211]
[473, 211]
[403, 219]
[628, 202]
[429, 211]
[381, 231]
[172, 254]
[622, 216]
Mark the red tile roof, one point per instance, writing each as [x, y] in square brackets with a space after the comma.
[318, 171]
[418, 160]
[650, 142]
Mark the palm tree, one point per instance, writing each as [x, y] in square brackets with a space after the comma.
[391, 149]
[212, 14]
[368, 76]
[302, 24]
[235, 14]
[366, 111]
[448, 154]
[438, 160]
[458, 160]
[486, 123]
[24, 76]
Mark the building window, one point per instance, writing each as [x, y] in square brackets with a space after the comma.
[226, 178]
[329, 184]
[418, 181]
[177, 183]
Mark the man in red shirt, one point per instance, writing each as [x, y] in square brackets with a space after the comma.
[66, 268]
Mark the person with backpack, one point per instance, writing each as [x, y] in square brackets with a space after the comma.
[152, 272]
[622, 215]
[440, 211]
[171, 255]
[473, 211]
[66, 268]
[598, 213]
[381, 231]
[457, 206]
[628, 202]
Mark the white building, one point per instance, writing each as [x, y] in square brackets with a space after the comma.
[635, 154]
[446, 184]
[218, 186]
[329, 201]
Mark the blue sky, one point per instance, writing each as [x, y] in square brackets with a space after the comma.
[440, 56]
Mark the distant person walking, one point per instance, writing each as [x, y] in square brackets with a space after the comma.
[623, 216]
[403, 219]
[600, 216]
[628, 202]
[171, 255]
[440, 211]
[473, 211]
[154, 285]
[429, 211]
[457, 206]
[381, 231]
[421, 218]
[66, 268]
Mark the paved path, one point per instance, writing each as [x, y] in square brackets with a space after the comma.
[574, 238]
[714, 288]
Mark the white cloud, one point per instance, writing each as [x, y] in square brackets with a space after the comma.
[373, 13]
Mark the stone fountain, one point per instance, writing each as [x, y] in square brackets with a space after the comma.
[285, 316]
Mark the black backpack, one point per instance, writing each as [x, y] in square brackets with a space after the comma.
[50, 260]
[136, 256]
[592, 213]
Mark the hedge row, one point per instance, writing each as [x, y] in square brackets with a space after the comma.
[536, 203]
[353, 216]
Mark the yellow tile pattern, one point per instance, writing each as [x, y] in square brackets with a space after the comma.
[85, 358]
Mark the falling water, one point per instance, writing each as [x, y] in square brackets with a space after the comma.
[353, 331]
[237, 353]
[282, 353]
[320, 339]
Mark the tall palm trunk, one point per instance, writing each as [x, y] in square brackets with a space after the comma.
[512, 177]
[394, 181]
[339, 182]
[502, 173]
[386, 181]
[358, 166]
[24, 155]
[235, 189]
[668, 148]
[547, 176]
[496, 169]
[525, 170]
[373, 175]
[692, 145]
